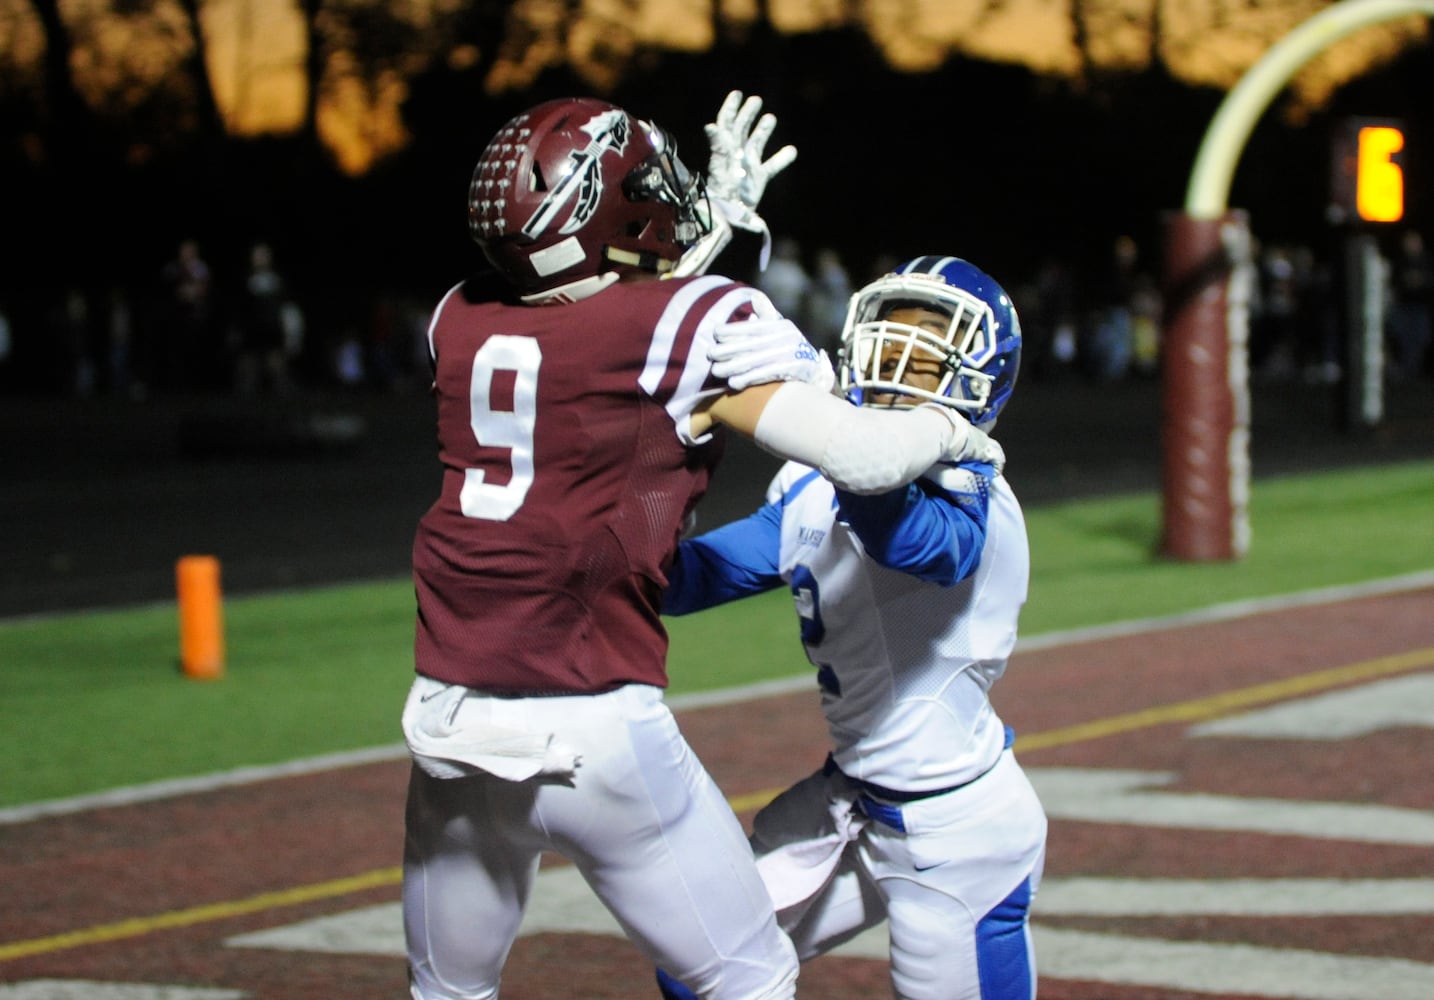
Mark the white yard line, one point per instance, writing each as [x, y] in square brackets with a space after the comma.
[562, 903]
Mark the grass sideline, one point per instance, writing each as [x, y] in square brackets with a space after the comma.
[95, 701]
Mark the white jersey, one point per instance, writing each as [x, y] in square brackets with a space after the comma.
[908, 604]
[905, 665]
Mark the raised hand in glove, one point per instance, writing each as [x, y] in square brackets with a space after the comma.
[736, 172]
[736, 178]
[767, 348]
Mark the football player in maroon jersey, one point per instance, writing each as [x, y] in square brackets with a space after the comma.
[579, 400]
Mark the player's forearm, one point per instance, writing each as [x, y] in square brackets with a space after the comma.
[863, 451]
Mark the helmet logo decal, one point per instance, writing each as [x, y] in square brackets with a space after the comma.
[608, 132]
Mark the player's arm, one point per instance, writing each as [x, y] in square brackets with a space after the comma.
[860, 450]
[736, 560]
[934, 529]
[780, 397]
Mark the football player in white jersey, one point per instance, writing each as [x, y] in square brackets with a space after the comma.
[908, 604]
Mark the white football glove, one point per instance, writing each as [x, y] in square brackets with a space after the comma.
[968, 443]
[737, 177]
[768, 348]
[736, 172]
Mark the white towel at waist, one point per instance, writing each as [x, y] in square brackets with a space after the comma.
[798, 869]
[449, 742]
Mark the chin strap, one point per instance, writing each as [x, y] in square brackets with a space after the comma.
[642, 261]
[726, 216]
[697, 258]
[584, 288]
[572, 291]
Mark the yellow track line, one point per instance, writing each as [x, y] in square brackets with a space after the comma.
[1214, 706]
[1196, 709]
[138, 926]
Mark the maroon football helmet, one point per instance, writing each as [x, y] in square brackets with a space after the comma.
[576, 187]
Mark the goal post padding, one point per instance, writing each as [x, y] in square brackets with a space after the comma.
[1205, 404]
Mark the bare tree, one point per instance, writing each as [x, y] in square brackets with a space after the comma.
[208, 123]
[1081, 35]
[366, 47]
[67, 125]
[314, 49]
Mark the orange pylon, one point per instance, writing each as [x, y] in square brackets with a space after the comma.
[201, 617]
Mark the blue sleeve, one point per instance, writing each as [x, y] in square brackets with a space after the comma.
[736, 560]
[934, 534]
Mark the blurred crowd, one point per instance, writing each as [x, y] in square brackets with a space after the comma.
[1101, 320]
[1298, 312]
[248, 331]
[1102, 325]
[196, 328]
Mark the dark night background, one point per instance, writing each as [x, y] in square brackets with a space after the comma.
[989, 161]
[100, 494]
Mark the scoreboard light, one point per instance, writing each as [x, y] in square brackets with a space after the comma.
[1379, 181]
[1369, 175]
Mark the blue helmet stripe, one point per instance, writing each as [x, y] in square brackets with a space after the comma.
[928, 264]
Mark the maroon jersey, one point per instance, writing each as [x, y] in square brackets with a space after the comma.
[568, 472]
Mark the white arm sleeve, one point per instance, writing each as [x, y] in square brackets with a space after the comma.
[859, 450]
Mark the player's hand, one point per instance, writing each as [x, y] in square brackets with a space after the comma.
[970, 444]
[736, 171]
[767, 348]
[737, 176]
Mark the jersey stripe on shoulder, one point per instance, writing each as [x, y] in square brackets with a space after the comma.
[677, 372]
[696, 368]
[433, 323]
[659, 350]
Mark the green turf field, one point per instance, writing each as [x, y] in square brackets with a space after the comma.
[95, 701]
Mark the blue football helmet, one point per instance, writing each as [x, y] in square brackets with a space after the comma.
[979, 350]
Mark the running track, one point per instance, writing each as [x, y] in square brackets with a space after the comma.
[1240, 806]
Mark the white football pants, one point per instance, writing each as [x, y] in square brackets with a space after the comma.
[955, 886]
[643, 822]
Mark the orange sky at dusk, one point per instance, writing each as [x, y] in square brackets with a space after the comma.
[256, 47]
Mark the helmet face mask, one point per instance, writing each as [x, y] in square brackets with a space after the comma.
[663, 177]
[666, 180]
[577, 189]
[935, 330]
